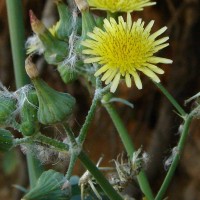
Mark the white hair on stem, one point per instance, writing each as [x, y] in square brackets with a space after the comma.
[171, 158]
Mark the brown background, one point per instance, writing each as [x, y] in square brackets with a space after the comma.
[152, 123]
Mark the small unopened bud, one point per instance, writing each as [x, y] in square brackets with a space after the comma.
[36, 25]
[82, 5]
[31, 68]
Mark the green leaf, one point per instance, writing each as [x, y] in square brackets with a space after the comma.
[49, 187]
[123, 101]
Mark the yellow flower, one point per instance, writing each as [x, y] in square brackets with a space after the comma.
[123, 49]
[120, 5]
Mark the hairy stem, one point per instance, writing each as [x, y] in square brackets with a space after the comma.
[97, 97]
[72, 163]
[90, 166]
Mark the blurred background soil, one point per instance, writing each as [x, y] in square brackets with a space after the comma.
[152, 123]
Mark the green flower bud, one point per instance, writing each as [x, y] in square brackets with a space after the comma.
[64, 27]
[7, 107]
[29, 122]
[67, 73]
[54, 106]
[55, 49]
[88, 22]
[6, 140]
[50, 187]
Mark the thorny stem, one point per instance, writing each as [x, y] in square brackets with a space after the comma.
[175, 161]
[43, 140]
[70, 135]
[73, 158]
[17, 36]
[74, 150]
[97, 97]
[90, 166]
[127, 142]
[171, 99]
[88, 120]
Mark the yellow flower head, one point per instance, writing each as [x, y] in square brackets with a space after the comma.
[123, 49]
[120, 5]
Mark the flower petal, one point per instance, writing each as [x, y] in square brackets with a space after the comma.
[150, 74]
[101, 70]
[137, 80]
[115, 83]
[128, 80]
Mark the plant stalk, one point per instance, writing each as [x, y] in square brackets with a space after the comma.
[127, 142]
[171, 99]
[17, 37]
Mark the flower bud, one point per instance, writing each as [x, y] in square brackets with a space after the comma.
[7, 107]
[6, 140]
[64, 27]
[88, 24]
[55, 50]
[29, 122]
[67, 73]
[54, 106]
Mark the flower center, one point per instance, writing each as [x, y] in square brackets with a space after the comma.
[126, 50]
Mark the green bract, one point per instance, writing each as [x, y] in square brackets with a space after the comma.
[6, 140]
[54, 106]
[64, 27]
[67, 73]
[7, 107]
[29, 122]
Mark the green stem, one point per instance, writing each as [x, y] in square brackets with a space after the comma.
[52, 142]
[171, 99]
[17, 37]
[105, 185]
[88, 120]
[70, 135]
[60, 146]
[19, 141]
[97, 96]
[72, 163]
[175, 161]
[127, 142]
[74, 150]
